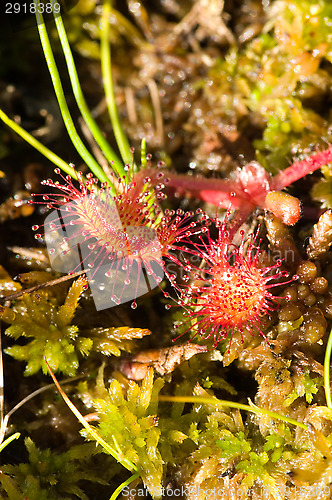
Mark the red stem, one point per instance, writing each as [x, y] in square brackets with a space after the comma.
[301, 168]
[214, 191]
[239, 218]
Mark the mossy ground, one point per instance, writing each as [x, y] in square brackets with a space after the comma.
[211, 88]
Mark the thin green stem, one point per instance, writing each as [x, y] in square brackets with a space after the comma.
[81, 103]
[9, 440]
[231, 404]
[125, 462]
[69, 124]
[327, 362]
[123, 485]
[38, 145]
[143, 153]
[106, 69]
[131, 31]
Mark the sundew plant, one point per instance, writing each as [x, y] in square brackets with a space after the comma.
[171, 280]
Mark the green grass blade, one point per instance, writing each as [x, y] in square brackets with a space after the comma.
[123, 485]
[106, 69]
[9, 440]
[125, 462]
[143, 153]
[81, 103]
[231, 404]
[59, 162]
[74, 137]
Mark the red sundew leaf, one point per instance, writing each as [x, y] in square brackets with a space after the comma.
[232, 291]
[114, 238]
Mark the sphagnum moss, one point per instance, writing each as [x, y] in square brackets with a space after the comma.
[267, 94]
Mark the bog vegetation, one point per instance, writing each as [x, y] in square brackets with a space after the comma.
[216, 383]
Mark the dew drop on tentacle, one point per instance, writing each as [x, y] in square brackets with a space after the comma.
[115, 299]
[133, 305]
[230, 292]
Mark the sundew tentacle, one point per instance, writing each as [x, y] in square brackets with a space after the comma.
[120, 234]
[228, 290]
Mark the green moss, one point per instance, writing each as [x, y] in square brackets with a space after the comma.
[42, 317]
[277, 80]
[276, 441]
[129, 423]
[233, 445]
[322, 190]
[49, 475]
[306, 387]
[270, 91]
